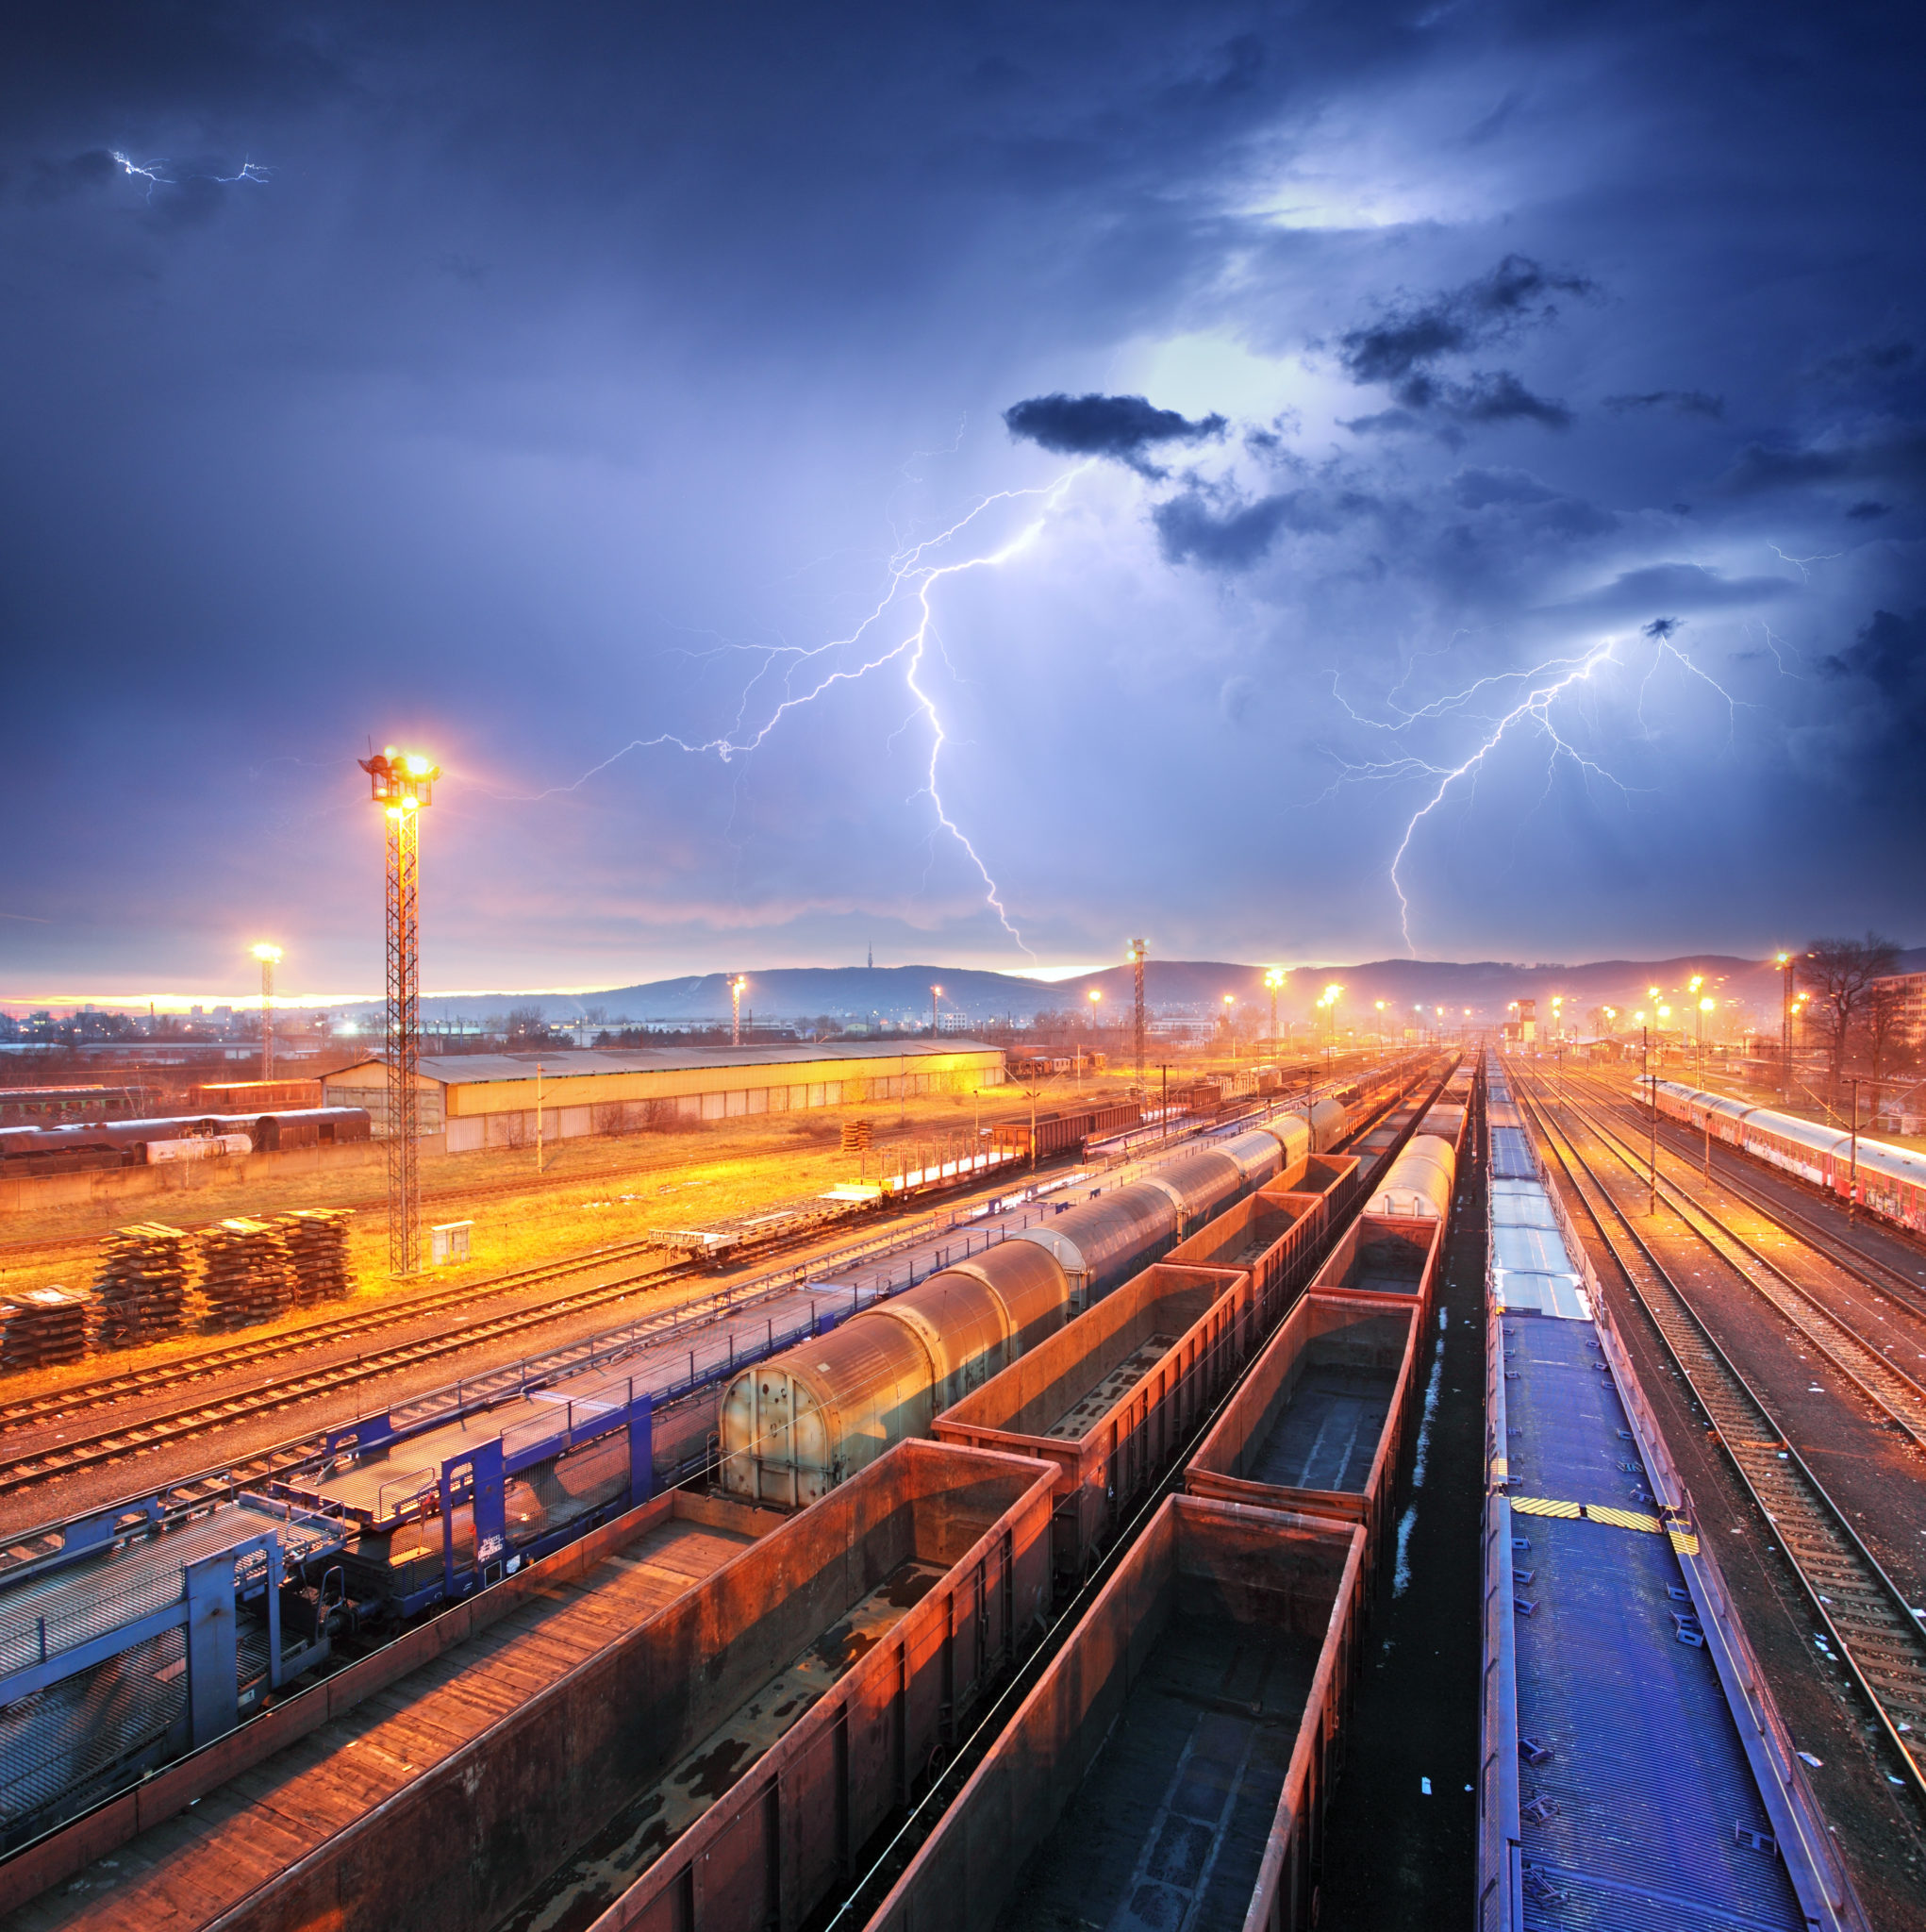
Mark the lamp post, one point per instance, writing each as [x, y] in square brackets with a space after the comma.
[1272, 980]
[1784, 1026]
[935, 995]
[403, 785]
[269, 958]
[737, 987]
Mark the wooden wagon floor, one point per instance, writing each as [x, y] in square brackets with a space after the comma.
[194, 1867]
[1328, 1434]
[1168, 1828]
[642, 1830]
[1101, 1400]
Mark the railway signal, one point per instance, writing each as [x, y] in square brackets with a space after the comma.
[403, 783]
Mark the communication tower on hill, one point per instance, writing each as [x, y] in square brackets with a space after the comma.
[1136, 952]
[404, 784]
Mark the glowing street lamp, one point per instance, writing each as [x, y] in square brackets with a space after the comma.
[269, 958]
[738, 987]
[935, 995]
[1272, 980]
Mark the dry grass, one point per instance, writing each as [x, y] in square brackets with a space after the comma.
[591, 1192]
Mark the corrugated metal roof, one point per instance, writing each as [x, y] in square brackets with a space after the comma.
[467, 1069]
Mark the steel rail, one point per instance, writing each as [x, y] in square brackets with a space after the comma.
[48, 1462]
[1878, 1633]
[131, 1384]
[103, 1391]
[1678, 1137]
[1887, 1388]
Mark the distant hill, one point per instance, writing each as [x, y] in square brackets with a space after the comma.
[902, 993]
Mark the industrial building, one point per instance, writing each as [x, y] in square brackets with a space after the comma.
[489, 1099]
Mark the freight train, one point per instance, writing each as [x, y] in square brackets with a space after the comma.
[1886, 1181]
[26, 1151]
[794, 1426]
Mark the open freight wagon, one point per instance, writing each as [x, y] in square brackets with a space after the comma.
[724, 1762]
[1108, 1402]
[1173, 1765]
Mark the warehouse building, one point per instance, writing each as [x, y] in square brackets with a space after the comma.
[489, 1099]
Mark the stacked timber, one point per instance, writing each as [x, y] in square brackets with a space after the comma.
[317, 1243]
[246, 1278]
[141, 1291]
[43, 1325]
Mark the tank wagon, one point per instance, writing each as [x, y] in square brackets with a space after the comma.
[1885, 1180]
[26, 1151]
[793, 1427]
[1418, 1186]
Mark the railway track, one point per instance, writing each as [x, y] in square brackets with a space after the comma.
[155, 1432]
[49, 1461]
[1901, 1398]
[1732, 1169]
[104, 1391]
[1877, 1634]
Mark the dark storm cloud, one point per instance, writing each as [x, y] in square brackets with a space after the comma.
[1122, 428]
[1515, 293]
[1885, 662]
[1218, 528]
[565, 352]
[1682, 402]
[1893, 456]
[1685, 586]
[1401, 349]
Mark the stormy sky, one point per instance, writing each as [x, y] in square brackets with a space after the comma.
[1201, 429]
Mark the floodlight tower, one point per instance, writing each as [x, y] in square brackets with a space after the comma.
[1136, 952]
[403, 783]
[736, 987]
[1272, 980]
[269, 958]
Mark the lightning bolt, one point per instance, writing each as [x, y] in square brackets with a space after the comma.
[1799, 563]
[1544, 685]
[912, 577]
[151, 172]
[1534, 706]
[148, 172]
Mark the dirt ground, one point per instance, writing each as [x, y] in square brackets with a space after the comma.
[590, 1192]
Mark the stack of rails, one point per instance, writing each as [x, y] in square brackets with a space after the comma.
[317, 1247]
[701, 1702]
[46, 1327]
[1634, 1769]
[245, 1276]
[732, 1235]
[141, 1292]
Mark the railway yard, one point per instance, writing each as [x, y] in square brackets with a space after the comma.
[1786, 1346]
[1129, 1506]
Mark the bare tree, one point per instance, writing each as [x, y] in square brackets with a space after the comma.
[1839, 975]
[1886, 1038]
